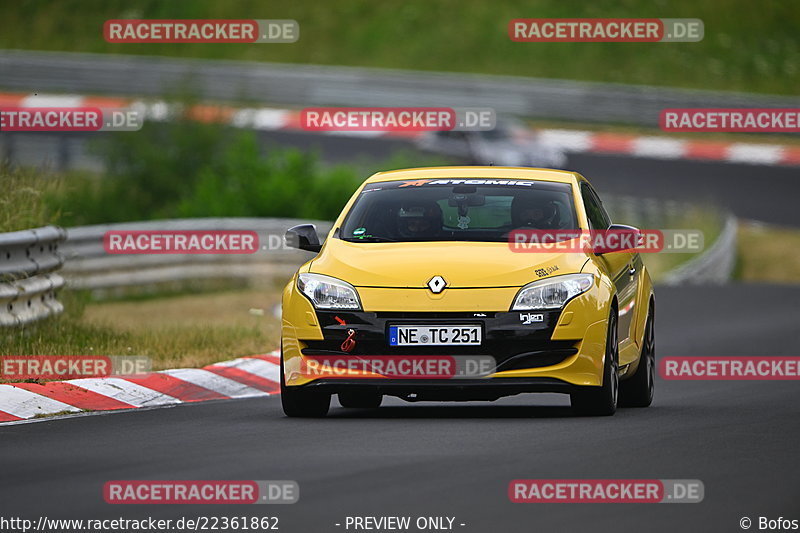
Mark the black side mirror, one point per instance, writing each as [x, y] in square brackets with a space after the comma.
[626, 239]
[303, 237]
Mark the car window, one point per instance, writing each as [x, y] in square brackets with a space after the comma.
[457, 210]
[598, 218]
[599, 202]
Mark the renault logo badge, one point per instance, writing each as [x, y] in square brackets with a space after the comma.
[437, 284]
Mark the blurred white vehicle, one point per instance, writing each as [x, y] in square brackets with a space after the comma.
[510, 144]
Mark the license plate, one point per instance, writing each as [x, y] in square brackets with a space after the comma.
[434, 335]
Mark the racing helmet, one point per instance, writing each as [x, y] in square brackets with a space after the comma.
[419, 220]
[536, 212]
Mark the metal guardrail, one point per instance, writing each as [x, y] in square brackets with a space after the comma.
[89, 266]
[714, 266]
[29, 260]
[274, 83]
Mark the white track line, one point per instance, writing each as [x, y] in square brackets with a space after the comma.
[258, 367]
[52, 100]
[755, 153]
[124, 391]
[209, 380]
[570, 140]
[26, 404]
[659, 148]
[261, 119]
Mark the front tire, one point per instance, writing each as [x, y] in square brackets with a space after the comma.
[602, 401]
[637, 391]
[301, 403]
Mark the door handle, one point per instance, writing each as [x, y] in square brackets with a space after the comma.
[632, 270]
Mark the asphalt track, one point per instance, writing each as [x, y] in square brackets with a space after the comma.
[739, 438]
[758, 192]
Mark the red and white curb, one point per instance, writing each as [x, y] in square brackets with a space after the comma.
[245, 377]
[274, 119]
[671, 148]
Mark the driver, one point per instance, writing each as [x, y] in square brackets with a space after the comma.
[534, 213]
[420, 221]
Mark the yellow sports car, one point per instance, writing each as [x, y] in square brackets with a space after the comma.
[425, 290]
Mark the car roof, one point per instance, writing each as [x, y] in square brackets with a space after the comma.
[517, 173]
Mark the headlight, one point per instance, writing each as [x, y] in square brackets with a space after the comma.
[326, 292]
[551, 293]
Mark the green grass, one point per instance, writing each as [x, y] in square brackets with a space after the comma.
[748, 46]
[768, 253]
[60, 413]
[186, 331]
[24, 201]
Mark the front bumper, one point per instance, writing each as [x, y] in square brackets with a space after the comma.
[527, 358]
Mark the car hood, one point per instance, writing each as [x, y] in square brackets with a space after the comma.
[461, 264]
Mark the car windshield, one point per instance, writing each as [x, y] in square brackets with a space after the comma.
[457, 210]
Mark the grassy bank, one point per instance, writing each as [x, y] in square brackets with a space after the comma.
[26, 199]
[185, 331]
[748, 46]
[768, 253]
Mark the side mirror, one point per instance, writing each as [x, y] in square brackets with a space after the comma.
[619, 238]
[303, 237]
